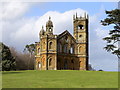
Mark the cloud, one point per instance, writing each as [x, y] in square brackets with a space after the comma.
[24, 31]
[13, 10]
[61, 21]
[19, 30]
[10, 15]
[12, 21]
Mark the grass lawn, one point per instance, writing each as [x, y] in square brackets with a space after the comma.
[59, 79]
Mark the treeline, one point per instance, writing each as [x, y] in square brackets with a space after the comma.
[24, 61]
[11, 59]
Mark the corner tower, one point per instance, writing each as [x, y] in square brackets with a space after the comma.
[81, 36]
[46, 49]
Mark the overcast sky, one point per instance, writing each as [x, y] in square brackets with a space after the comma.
[22, 22]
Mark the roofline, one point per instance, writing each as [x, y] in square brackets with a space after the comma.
[59, 36]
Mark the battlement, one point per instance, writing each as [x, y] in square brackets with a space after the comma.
[75, 17]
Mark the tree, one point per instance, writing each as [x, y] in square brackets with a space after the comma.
[113, 40]
[22, 59]
[31, 49]
[8, 61]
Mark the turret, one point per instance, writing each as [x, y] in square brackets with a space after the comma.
[42, 32]
[49, 27]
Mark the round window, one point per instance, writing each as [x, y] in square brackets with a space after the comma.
[80, 35]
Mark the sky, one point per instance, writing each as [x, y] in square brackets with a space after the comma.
[22, 21]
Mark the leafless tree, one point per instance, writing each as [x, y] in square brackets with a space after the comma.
[22, 60]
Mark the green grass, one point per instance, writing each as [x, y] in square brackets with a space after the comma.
[59, 79]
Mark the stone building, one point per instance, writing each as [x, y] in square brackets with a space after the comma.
[63, 51]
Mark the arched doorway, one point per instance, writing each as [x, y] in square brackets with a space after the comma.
[72, 62]
[39, 65]
[58, 64]
[65, 64]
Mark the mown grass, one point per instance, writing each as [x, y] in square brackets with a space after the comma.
[59, 79]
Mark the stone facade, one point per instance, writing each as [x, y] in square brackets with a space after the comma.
[63, 51]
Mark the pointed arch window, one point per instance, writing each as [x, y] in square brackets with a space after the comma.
[50, 45]
[50, 61]
[72, 61]
[59, 47]
[43, 45]
[38, 51]
[72, 49]
[43, 62]
[65, 49]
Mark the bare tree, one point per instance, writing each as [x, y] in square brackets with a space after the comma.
[22, 60]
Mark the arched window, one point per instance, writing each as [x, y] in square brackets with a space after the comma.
[65, 49]
[66, 38]
[80, 49]
[43, 61]
[72, 49]
[50, 29]
[72, 61]
[50, 45]
[38, 50]
[43, 45]
[59, 47]
[39, 64]
[50, 61]
[79, 62]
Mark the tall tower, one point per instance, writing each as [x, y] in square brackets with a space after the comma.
[81, 36]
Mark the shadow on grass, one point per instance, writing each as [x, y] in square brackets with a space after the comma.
[9, 72]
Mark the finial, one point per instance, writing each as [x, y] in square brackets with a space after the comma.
[73, 16]
[85, 15]
[42, 27]
[49, 17]
[76, 14]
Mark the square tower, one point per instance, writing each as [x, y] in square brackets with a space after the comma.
[81, 36]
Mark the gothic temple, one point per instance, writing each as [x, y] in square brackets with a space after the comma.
[63, 51]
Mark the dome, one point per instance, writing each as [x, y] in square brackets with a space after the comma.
[41, 31]
[49, 23]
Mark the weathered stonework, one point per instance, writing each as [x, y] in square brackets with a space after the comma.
[63, 51]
